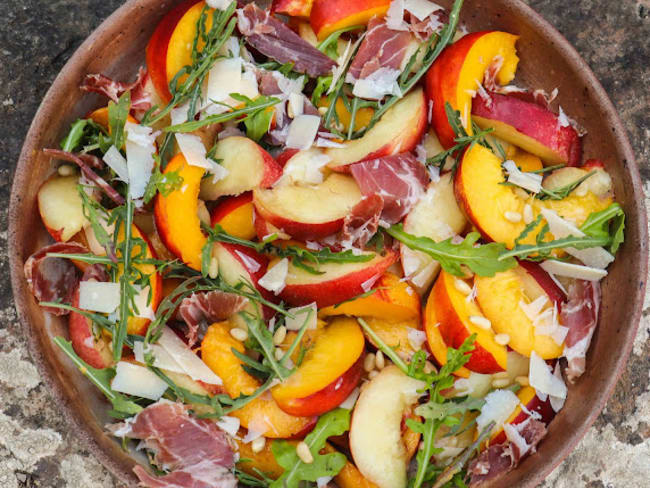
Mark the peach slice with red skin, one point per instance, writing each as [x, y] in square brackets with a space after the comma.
[249, 166]
[329, 372]
[529, 126]
[262, 413]
[308, 213]
[393, 300]
[93, 350]
[236, 216]
[328, 16]
[339, 281]
[399, 130]
[479, 179]
[455, 74]
[176, 214]
[450, 309]
[60, 207]
[293, 8]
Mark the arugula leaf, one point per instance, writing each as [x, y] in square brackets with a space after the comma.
[564, 191]
[101, 378]
[484, 260]
[117, 115]
[609, 222]
[323, 84]
[329, 45]
[98, 217]
[542, 250]
[333, 423]
[159, 182]
[258, 122]
[73, 139]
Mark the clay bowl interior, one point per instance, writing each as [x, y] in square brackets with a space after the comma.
[116, 49]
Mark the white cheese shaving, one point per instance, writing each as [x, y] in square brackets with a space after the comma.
[97, 296]
[562, 119]
[230, 425]
[305, 168]
[161, 358]
[378, 84]
[218, 4]
[543, 380]
[395, 16]
[557, 402]
[323, 142]
[140, 149]
[369, 283]
[528, 181]
[571, 270]
[301, 315]
[296, 105]
[142, 303]
[341, 63]
[516, 438]
[351, 400]
[185, 357]
[195, 154]
[275, 277]
[224, 78]
[249, 263]
[302, 131]
[114, 159]
[498, 407]
[136, 380]
[421, 8]
[533, 309]
[595, 257]
[416, 338]
[179, 114]
[323, 481]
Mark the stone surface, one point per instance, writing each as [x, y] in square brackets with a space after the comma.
[37, 449]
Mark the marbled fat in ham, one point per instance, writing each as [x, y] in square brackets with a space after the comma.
[362, 222]
[399, 180]
[204, 308]
[53, 279]
[580, 315]
[381, 48]
[194, 451]
[98, 83]
[275, 39]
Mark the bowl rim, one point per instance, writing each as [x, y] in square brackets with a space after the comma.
[84, 52]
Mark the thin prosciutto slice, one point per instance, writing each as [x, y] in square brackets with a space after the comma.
[204, 308]
[381, 48]
[275, 39]
[98, 83]
[363, 221]
[580, 315]
[400, 180]
[194, 451]
[53, 279]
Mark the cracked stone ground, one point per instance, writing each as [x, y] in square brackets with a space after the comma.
[37, 448]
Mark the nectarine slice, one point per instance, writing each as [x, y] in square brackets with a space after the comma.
[327, 16]
[236, 216]
[262, 414]
[393, 300]
[455, 74]
[61, 208]
[452, 310]
[176, 214]
[308, 212]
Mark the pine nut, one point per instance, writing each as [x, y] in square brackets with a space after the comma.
[240, 334]
[481, 322]
[373, 374]
[280, 335]
[202, 212]
[500, 375]
[65, 170]
[303, 452]
[369, 362]
[258, 444]
[500, 383]
[462, 287]
[528, 214]
[502, 339]
[213, 269]
[522, 380]
[380, 362]
[279, 353]
[513, 217]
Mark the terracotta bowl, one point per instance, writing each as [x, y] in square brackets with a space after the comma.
[116, 49]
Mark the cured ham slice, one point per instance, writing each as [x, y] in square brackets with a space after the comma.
[433, 24]
[399, 180]
[98, 83]
[381, 48]
[363, 221]
[580, 315]
[87, 172]
[194, 451]
[500, 458]
[53, 279]
[275, 39]
[199, 310]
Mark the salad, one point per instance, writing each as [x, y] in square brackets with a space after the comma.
[330, 243]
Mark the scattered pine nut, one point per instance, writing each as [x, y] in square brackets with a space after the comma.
[522, 380]
[500, 375]
[513, 217]
[528, 214]
[65, 170]
[213, 269]
[279, 353]
[462, 287]
[481, 322]
[380, 362]
[240, 334]
[303, 452]
[502, 339]
[500, 383]
[280, 335]
[258, 444]
[373, 374]
[369, 362]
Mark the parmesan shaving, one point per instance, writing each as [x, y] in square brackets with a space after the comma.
[114, 159]
[421, 8]
[300, 314]
[416, 338]
[557, 402]
[528, 181]
[192, 365]
[351, 400]
[161, 358]
[395, 16]
[378, 84]
[302, 131]
[97, 296]
[140, 149]
[195, 154]
[136, 380]
[296, 105]
[498, 407]
[543, 380]
[230, 425]
[275, 277]
[570, 270]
